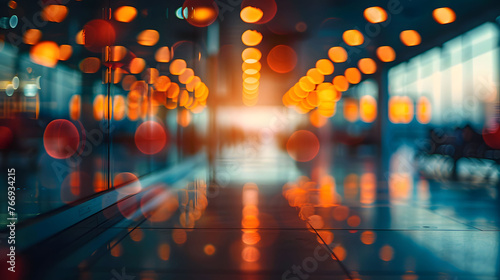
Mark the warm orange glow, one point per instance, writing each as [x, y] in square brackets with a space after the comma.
[119, 107]
[367, 66]
[340, 213]
[368, 237]
[209, 249]
[164, 251]
[351, 109]
[251, 55]
[54, 13]
[137, 65]
[45, 53]
[337, 54]
[200, 13]
[354, 221]
[352, 75]
[303, 145]
[251, 68]
[327, 108]
[75, 104]
[353, 37]
[183, 117]
[386, 54]
[306, 85]
[148, 37]
[184, 98]
[250, 238]
[125, 13]
[368, 188]
[317, 119]
[251, 14]
[162, 54]
[400, 109]
[368, 108]
[79, 38]
[444, 15]
[32, 36]
[65, 52]
[186, 76]
[315, 76]
[12, 4]
[250, 254]
[251, 38]
[375, 14]
[325, 66]
[340, 252]
[410, 38]
[173, 91]
[424, 111]
[340, 83]
[282, 59]
[177, 67]
[386, 253]
[90, 65]
[117, 250]
[136, 235]
[194, 83]
[99, 107]
[162, 83]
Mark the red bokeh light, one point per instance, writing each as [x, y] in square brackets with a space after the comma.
[61, 139]
[492, 137]
[150, 137]
[282, 59]
[98, 33]
[302, 145]
[6, 137]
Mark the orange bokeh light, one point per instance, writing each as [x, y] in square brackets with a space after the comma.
[65, 52]
[368, 108]
[367, 66]
[410, 38]
[32, 36]
[386, 54]
[444, 15]
[251, 55]
[340, 83]
[54, 13]
[337, 54]
[251, 14]
[162, 54]
[177, 67]
[200, 13]
[351, 109]
[45, 53]
[353, 37]
[424, 110]
[251, 38]
[352, 75]
[148, 37]
[125, 13]
[375, 14]
[325, 66]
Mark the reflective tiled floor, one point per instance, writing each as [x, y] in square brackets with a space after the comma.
[257, 225]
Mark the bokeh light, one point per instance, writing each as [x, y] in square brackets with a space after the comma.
[45, 53]
[302, 146]
[386, 54]
[177, 67]
[32, 36]
[282, 59]
[353, 37]
[148, 37]
[375, 14]
[325, 66]
[125, 13]
[410, 38]
[444, 15]
[251, 38]
[200, 13]
[97, 34]
[54, 13]
[268, 8]
[368, 108]
[61, 139]
[352, 75]
[337, 54]
[367, 66]
[150, 137]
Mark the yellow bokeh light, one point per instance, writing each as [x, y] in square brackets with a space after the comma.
[368, 108]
